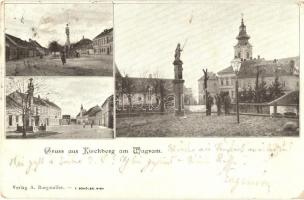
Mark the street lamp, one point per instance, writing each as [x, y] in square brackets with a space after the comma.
[236, 64]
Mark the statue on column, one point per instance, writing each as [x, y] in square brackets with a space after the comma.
[178, 51]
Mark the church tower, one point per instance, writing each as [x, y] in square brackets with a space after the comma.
[243, 49]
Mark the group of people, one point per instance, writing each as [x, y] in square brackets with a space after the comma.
[84, 124]
[220, 100]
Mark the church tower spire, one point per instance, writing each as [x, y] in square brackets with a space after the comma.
[243, 49]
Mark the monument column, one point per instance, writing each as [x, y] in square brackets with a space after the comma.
[178, 83]
[67, 43]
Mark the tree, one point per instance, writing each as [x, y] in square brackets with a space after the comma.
[159, 90]
[54, 46]
[243, 95]
[127, 86]
[275, 89]
[262, 92]
[250, 95]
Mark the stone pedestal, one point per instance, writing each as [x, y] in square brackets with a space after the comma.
[178, 88]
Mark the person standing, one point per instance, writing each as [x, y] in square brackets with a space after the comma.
[63, 58]
[218, 103]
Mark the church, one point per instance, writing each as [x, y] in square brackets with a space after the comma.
[286, 70]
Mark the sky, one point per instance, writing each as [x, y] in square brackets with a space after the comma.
[146, 36]
[67, 92]
[47, 22]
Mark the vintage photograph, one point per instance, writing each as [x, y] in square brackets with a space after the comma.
[207, 70]
[56, 107]
[59, 39]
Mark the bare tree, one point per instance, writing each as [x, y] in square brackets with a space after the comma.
[159, 86]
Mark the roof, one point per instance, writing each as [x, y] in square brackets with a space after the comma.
[17, 41]
[227, 70]
[11, 103]
[87, 43]
[109, 99]
[141, 85]
[212, 76]
[105, 32]
[92, 111]
[23, 43]
[287, 99]
[36, 100]
[285, 66]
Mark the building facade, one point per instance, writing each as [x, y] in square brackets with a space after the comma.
[103, 43]
[144, 94]
[106, 113]
[212, 87]
[41, 111]
[16, 48]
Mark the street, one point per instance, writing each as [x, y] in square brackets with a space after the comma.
[99, 65]
[68, 132]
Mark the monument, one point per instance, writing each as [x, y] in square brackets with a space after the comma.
[178, 82]
[67, 43]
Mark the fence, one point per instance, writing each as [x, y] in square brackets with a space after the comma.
[262, 109]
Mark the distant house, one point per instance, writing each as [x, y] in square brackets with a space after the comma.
[91, 116]
[288, 103]
[66, 120]
[103, 43]
[83, 47]
[212, 87]
[188, 97]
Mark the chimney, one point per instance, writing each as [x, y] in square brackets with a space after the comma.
[275, 61]
[83, 37]
[38, 96]
[259, 57]
[150, 75]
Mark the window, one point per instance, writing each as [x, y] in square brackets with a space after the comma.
[17, 118]
[247, 55]
[227, 81]
[10, 120]
[222, 83]
[239, 54]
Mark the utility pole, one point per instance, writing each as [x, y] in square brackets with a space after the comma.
[206, 77]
